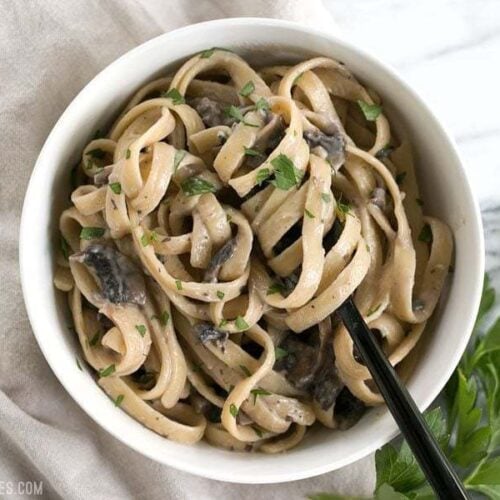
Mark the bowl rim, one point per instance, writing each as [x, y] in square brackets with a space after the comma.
[30, 298]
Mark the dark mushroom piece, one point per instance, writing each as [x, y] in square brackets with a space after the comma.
[327, 383]
[378, 198]
[348, 409]
[332, 147]
[218, 260]
[269, 137]
[207, 332]
[211, 112]
[120, 279]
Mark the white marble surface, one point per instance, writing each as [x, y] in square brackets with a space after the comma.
[449, 51]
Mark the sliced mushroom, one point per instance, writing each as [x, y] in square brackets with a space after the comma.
[331, 147]
[348, 409]
[218, 260]
[378, 198]
[120, 279]
[207, 332]
[211, 112]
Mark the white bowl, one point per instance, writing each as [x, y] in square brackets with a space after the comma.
[445, 189]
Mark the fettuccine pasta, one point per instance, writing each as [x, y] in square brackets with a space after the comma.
[203, 262]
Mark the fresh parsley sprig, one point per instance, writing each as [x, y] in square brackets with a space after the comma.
[466, 425]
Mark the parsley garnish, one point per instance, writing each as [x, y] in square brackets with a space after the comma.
[241, 324]
[207, 53]
[309, 214]
[162, 318]
[106, 372]
[280, 353]
[275, 288]
[95, 339]
[223, 323]
[373, 310]
[116, 187]
[262, 175]
[234, 112]
[175, 95]
[147, 239]
[262, 104]
[78, 364]
[247, 89]
[220, 294]
[178, 284]
[127, 154]
[286, 174]
[233, 410]
[179, 156]
[64, 248]
[371, 111]
[342, 209]
[197, 185]
[426, 234]
[245, 370]
[141, 329]
[326, 197]
[252, 152]
[89, 233]
[259, 392]
[119, 399]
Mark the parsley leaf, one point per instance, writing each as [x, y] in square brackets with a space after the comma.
[89, 233]
[425, 234]
[259, 392]
[262, 104]
[286, 174]
[234, 410]
[65, 249]
[106, 372]
[175, 95]
[309, 214]
[178, 157]
[247, 89]
[371, 111]
[241, 324]
[116, 187]
[252, 152]
[235, 112]
[119, 399]
[275, 288]
[220, 295]
[262, 175]
[197, 185]
[141, 329]
[280, 353]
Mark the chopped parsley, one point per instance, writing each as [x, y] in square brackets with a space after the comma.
[223, 323]
[371, 111]
[297, 78]
[141, 329]
[162, 318]
[179, 156]
[175, 95]
[89, 233]
[64, 248]
[262, 104]
[119, 399]
[78, 364]
[235, 112]
[286, 174]
[342, 209]
[309, 214]
[252, 152]
[147, 239]
[196, 185]
[426, 234]
[280, 353]
[247, 89]
[258, 431]
[262, 175]
[106, 372]
[178, 284]
[326, 197]
[95, 339]
[220, 294]
[233, 410]
[116, 187]
[245, 370]
[241, 324]
[259, 392]
[275, 288]
[127, 154]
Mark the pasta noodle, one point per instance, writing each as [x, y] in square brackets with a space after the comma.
[203, 267]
